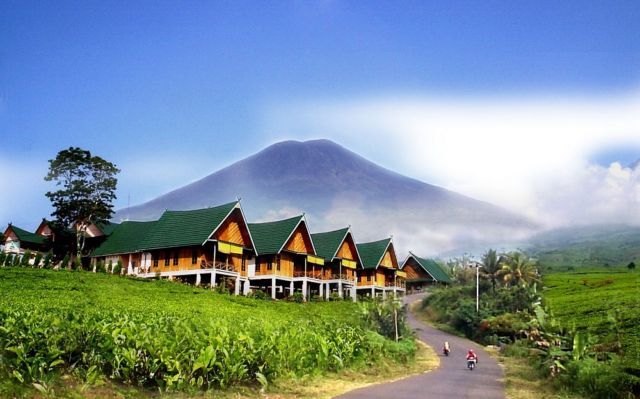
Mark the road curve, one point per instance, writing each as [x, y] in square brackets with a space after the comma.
[450, 380]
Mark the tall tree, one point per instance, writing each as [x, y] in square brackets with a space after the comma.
[87, 186]
[520, 269]
[493, 267]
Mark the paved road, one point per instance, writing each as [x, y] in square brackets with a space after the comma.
[451, 380]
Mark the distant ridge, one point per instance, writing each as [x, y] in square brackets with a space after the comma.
[337, 187]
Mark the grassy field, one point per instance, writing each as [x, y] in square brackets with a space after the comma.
[590, 299]
[90, 329]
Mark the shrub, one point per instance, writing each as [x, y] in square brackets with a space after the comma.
[100, 267]
[259, 294]
[26, 257]
[117, 269]
[47, 260]
[16, 260]
[598, 379]
[3, 256]
[110, 267]
[296, 297]
[387, 317]
[37, 260]
[76, 264]
[65, 262]
[334, 296]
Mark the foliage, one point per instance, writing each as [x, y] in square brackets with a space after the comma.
[3, 256]
[100, 268]
[117, 269]
[26, 257]
[519, 269]
[631, 266]
[387, 317]
[296, 297]
[87, 186]
[259, 294]
[493, 268]
[37, 260]
[171, 336]
[65, 262]
[48, 258]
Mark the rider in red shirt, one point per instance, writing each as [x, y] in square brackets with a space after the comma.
[471, 355]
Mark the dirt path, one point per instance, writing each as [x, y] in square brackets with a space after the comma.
[451, 380]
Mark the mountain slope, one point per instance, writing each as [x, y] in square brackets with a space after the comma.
[336, 187]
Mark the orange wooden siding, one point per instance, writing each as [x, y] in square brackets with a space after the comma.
[347, 249]
[414, 270]
[234, 230]
[389, 259]
[300, 241]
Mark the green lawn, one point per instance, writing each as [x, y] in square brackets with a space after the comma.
[586, 299]
[158, 334]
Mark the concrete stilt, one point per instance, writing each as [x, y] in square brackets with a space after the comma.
[327, 291]
[246, 288]
[373, 292]
[321, 290]
[305, 292]
[198, 279]
[340, 292]
[291, 288]
[273, 288]
[213, 278]
[384, 294]
[237, 287]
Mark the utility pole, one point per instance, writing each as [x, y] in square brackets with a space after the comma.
[477, 265]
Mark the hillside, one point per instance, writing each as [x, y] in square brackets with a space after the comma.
[162, 335]
[596, 245]
[337, 187]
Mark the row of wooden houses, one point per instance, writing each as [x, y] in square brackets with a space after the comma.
[216, 246]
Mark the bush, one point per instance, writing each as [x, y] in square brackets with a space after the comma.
[117, 269]
[259, 294]
[3, 256]
[598, 379]
[37, 260]
[15, 260]
[334, 296]
[76, 264]
[48, 258]
[386, 317]
[110, 267]
[65, 262]
[26, 257]
[100, 267]
[296, 297]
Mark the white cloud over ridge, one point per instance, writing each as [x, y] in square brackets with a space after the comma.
[527, 154]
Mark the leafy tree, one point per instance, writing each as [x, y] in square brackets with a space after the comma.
[47, 260]
[87, 186]
[631, 266]
[520, 270]
[493, 268]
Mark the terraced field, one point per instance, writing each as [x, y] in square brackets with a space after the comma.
[591, 300]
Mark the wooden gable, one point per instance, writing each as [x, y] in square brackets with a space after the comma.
[414, 270]
[389, 259]
[348, 249]
[234, 230]
[300, 241]
[9, 235]
[44, 229]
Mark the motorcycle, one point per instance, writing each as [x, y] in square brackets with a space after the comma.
[471, 364]
[445, 351]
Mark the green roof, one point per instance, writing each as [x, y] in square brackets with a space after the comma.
[126, 238]
[270, 237]
[27, 236]
[432, 267]
[371, 253]
[185, 228]
[107, 228]
[328, 243]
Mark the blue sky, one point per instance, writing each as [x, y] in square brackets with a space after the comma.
[171, 91]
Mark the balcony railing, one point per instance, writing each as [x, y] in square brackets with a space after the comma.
[218, 266]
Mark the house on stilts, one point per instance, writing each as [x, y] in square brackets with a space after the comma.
[423, 272]
[380, 274]
[286, 260]
[342, 261]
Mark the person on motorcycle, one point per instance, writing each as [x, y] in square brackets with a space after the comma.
[446, 349]
[472, 357]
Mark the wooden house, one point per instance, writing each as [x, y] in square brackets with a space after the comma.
[423, 272]
[286, 258]
[18, 241]
[123, 245]
[380, 272]
[342, 261]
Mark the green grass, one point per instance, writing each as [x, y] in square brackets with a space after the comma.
[584, 300]
[156, 334]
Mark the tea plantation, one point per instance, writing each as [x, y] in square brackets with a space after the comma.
[604, 302]
[159, 334]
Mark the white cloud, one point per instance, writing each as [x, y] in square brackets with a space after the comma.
[512, 151]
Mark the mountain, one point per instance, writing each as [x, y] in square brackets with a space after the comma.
[336, 187]
[593, 245]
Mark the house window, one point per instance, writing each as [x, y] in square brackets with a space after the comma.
[257, 267]
[194, 256]
[278, 264]
[175, 258]
[270, 264]
[167, 257]
[368, 277]
[244, 263]
[156, 257]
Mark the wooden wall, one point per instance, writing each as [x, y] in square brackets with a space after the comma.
[300, 241]
[234, 230]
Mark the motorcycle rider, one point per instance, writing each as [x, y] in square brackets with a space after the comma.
[472, 357]
[446, 349]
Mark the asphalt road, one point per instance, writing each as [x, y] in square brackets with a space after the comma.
[450, 380]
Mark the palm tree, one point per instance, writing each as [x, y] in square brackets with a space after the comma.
[492, 268]
[519, 270]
